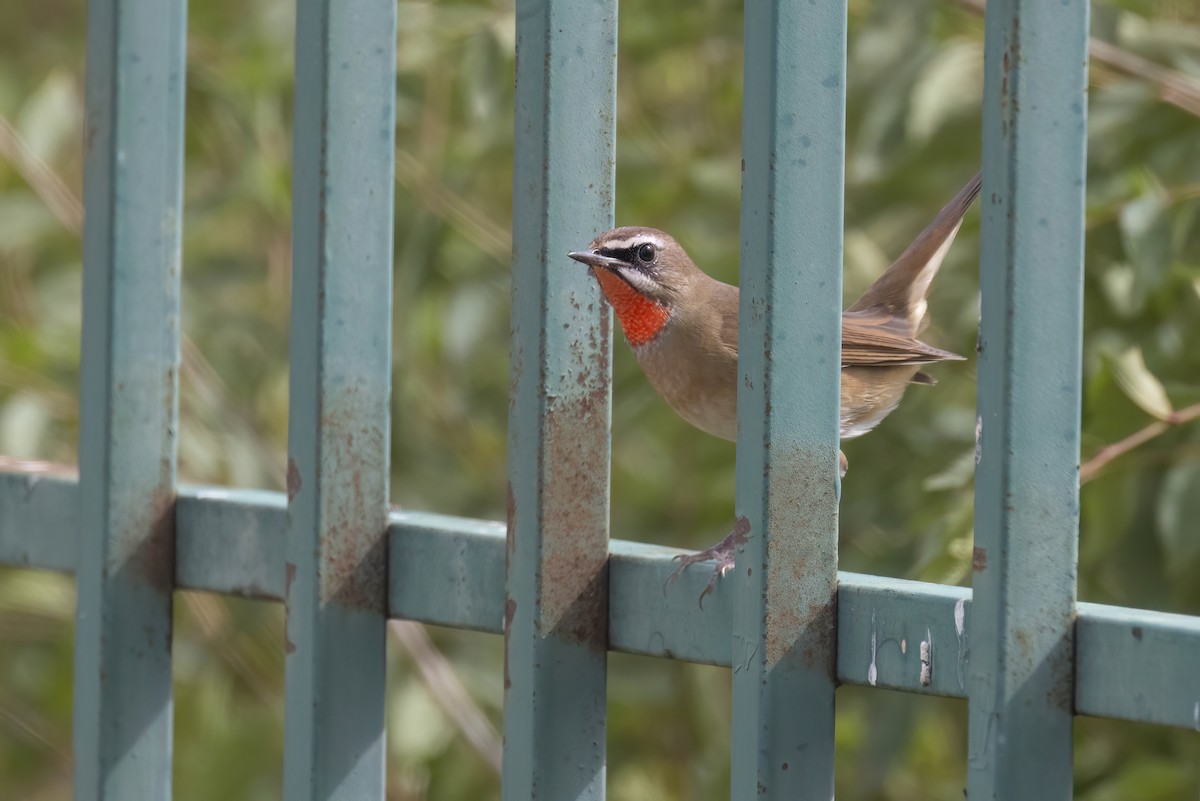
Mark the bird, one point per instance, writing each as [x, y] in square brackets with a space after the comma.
[682, 326]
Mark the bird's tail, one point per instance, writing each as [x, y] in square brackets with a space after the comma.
[901, 290]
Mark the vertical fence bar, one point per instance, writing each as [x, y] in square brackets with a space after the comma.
[1027, 482]
[338, 427]
[784, 629]
[556, 612]
[133, 179]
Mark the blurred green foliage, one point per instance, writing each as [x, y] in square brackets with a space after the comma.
[913, 138]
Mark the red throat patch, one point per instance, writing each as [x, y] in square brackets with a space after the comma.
[641, 318]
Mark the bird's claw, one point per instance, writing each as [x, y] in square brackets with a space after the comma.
[721, 553]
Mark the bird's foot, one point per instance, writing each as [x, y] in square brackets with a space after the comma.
[722, 553]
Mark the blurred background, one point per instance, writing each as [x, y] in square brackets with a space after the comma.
[915, 72]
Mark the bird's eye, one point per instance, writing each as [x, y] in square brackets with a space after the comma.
[646, 253]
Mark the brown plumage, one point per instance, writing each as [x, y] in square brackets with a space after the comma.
[683, 327]
[691, 360]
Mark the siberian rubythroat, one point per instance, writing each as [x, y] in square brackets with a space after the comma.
[683, 328]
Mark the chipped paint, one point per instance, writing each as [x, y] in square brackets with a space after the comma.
[927, 659]
[979, 559]
[872, 671]
[960, 613]
[293, 480]
[978, 439]
[749, 651]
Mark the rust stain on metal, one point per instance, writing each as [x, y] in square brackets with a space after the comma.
[575, 470]
[979, 559]
[1061, 659]
[510, 609]
[1060, 696]
[353, 540]
[820, 636]
[801, 611]
[1004, 79]
[510, 520]
[153, 557]
[1024, 643]
[741, 530]
[289, 647]
[293, 480]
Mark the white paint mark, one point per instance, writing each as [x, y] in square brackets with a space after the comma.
[927, 659]
[904, 646]
[1196, 716]
[960, 613]
[872, 673]
[748, 649]
[978, 438]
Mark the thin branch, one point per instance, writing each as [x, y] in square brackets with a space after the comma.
[1172, 87]
[491, 238]
[53, 191]
[1092, 467]
[439, 675]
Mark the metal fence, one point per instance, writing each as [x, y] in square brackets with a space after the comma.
[1024, 654]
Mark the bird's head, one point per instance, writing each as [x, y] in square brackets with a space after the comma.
[644, 274]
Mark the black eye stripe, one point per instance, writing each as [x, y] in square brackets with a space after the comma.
[627, 255]
[630, 256]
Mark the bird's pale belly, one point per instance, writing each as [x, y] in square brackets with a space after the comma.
[700, 387]
[869, 394]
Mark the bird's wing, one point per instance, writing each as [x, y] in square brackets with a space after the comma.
[869, 338]
[874, 338]
[901, 290]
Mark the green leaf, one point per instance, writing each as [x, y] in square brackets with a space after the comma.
[1146, 234]
[1140, 385]
[51, 116]
[23, 422]
[950, 83]
[1177, 513]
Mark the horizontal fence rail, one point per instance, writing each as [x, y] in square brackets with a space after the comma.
[1131, 664]
[1021, 650]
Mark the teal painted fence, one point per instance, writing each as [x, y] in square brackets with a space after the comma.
[1023, 653]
